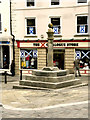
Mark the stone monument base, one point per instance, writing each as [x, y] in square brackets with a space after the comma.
[48, 78]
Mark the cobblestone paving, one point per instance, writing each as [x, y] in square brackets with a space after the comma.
[31, 103]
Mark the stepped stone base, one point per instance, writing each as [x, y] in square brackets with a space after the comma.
[48, 78]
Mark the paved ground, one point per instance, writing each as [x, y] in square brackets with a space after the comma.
[65, 103]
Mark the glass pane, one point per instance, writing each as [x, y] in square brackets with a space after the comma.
[82, 1]
[5, 57]
[31, 30]
[82, 20]
[54, 2]
[30, 22]
[29, 59]
[84, 56]
[30, 2]
[82, 29]
[55, 21]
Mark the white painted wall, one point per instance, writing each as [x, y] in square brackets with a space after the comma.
[5, 16]
[67, 10]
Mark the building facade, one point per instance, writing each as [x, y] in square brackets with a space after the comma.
[71, 25]
[6, 54]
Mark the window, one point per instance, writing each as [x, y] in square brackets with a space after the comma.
[84, 56]
[28, 58]
[0, 22]
[31, 28]
[56, 25]
[4, 57]
[30, 3]
[82, 1]
[54, 2]
[82, 24]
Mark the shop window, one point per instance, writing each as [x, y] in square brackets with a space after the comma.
[28, 59]
[0, 22]
[82, 1]
[31, 27]
[54, 2]
[84, 56]
[82, 24]
[30, 3]
[56, 25]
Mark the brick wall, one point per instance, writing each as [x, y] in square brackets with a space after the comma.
[41, 58]
[17, 52]
[69, 59]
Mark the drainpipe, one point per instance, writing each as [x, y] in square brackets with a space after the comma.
[13, 39]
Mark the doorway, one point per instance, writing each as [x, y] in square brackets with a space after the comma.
[58, 58]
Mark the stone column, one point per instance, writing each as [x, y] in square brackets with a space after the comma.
[50, 48]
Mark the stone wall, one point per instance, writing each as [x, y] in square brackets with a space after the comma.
[69, 59]
[41, 58]
[17, 52]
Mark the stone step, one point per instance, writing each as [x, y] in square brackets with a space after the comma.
[49, 79]
[49, 84]
[40, 88]
[49, 73]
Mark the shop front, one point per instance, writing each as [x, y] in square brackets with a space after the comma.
[5, 54]
[33, 55]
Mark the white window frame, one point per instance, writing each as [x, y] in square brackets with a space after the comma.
[60, 23]
[31, 6]
[54, 5]
[87, 24]
[26, 26]
[82, 3]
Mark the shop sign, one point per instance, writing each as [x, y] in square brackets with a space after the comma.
[55, 44]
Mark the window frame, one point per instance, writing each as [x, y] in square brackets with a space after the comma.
[26, 26]
[87, 25]
[30, 6]
[60, 23]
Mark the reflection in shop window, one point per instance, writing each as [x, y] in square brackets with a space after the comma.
[28, 59]
[84, 56]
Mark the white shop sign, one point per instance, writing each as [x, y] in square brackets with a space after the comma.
[55, 44]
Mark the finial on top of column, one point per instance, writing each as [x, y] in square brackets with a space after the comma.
[50, 25]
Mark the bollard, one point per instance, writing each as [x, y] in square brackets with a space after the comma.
[5, 77]
[20, 74]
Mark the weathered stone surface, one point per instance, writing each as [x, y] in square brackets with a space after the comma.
[53, 73]
[49, 79]
[51, 69]
[50, 84]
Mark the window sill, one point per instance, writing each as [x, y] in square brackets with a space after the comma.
[30, 36]
[81, 35]
[55, 5]
[57, 35]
